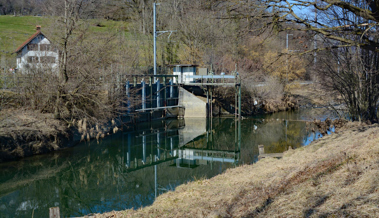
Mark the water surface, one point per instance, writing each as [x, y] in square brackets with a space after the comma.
[130, 168]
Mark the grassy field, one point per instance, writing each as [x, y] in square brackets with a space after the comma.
[336, 176]
[15, 30]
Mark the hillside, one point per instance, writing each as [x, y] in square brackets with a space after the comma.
[336, 176]
[14, 30]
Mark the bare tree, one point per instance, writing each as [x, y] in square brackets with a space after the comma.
[344, 31]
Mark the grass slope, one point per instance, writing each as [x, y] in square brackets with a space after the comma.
[336, 176]
[15, 30]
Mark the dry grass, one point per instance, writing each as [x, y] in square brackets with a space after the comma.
[336, 176]
[25, 132]
[311, 94]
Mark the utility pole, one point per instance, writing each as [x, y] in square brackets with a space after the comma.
[155, 38]
[156, 35]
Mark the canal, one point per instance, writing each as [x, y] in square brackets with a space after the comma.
[131, 168]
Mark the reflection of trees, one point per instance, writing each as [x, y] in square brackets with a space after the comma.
[90, 178]
[94, 177]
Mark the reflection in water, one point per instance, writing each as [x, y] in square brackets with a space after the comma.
[130, 168]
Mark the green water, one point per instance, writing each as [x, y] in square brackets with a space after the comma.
[130, 168]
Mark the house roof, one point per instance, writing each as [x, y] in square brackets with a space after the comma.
[29, 40]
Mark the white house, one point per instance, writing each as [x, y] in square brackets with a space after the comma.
[37, 53]
[184, 70]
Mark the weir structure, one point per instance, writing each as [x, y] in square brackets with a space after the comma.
[164, 96]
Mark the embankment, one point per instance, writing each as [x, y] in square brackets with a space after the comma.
[27, 133]
[336, 176]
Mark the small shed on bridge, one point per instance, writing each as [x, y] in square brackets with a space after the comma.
[182, 71]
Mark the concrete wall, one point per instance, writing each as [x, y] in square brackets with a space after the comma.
[194, 107]
[194, 127]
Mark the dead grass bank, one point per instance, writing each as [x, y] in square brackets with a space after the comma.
[336, 176]
[25, 133]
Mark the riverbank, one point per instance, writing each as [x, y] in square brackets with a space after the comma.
[25, 133]
[335, 176]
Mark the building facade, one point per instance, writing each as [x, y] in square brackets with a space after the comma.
[37, 53]
[183, 71]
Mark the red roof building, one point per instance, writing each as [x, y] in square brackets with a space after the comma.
[37, 52]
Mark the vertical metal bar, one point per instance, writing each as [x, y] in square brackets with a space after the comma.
[235, 101]
[158, 145]
[143, 95]
[239, 101]
[144, 147]
[171, 89]
[129, 147]
[128, 96]
[208, 108]
[239, 135]
[211, 102]
[158, 93]
[156, 181]
[151, 92]
[165, 92]
[171, 147]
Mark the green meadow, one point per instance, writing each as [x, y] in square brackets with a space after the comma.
[14, 30]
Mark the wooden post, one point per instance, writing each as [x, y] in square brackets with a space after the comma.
[54, 212]
[261, 149]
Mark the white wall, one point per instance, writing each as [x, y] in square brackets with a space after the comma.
[22, 56]
[182, 77]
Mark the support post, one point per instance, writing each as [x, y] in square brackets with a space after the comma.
[165, 92]
[158, 146]
[171, 89]
[155, 38]
[144, 147]
[235, 101]
[129, 150]
[261, 149]
[143, 94]
[127, 95]
[208, 102]
[54, 212]
[211, 102]
[158, 93]
[239, 101]
[151, 93]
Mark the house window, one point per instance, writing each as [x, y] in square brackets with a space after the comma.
[33, 47]
[45, 47]
[32, 59]
[48, 60]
